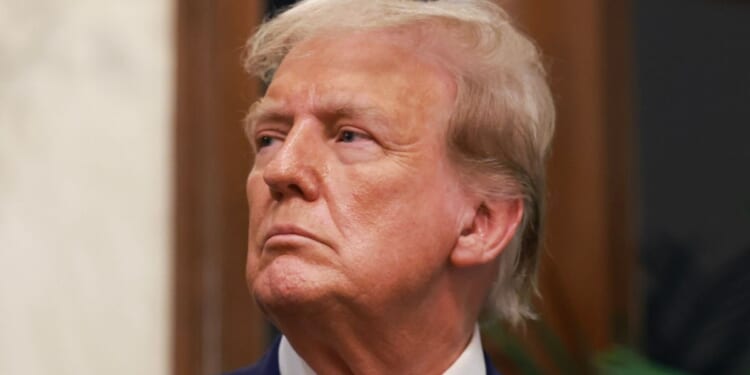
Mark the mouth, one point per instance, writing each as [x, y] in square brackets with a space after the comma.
[290, 231]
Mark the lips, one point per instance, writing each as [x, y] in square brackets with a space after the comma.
[281, 230]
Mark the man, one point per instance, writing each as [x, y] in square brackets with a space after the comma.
[397, 184]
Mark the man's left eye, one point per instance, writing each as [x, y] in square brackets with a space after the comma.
[349, 136]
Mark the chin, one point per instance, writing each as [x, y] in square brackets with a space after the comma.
[290, 284]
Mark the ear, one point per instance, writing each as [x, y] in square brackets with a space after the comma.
[488, 232]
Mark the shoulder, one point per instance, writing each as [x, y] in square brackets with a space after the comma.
[267, 365]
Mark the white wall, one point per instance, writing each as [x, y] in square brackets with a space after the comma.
[85, 174]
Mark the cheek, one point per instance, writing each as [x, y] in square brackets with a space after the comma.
[380, 198]
[399, 234]
[255, 189]
[258, 196]
[411, 188]
[408, 213]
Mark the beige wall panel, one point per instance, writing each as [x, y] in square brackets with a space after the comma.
[85, 185]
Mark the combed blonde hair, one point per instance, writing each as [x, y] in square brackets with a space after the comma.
[501, 128]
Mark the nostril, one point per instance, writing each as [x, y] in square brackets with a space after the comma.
[287, 190]
[296, 189]
[276, 195]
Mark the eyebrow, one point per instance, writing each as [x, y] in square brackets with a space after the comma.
[327, 106]
[265, 109]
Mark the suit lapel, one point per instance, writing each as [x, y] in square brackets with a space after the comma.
[488, 365]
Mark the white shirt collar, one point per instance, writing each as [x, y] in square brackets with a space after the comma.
[470, 362]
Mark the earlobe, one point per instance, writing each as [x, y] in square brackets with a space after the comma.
[490, 230]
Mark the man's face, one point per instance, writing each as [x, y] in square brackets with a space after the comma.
[352, 199]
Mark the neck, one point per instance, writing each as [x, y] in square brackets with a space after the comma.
[389, 341]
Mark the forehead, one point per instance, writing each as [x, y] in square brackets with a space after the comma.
[374, 72]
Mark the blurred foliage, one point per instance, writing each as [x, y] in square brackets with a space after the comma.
[517, 357]
[625, 361]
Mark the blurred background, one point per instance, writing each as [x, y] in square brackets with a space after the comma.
[123, 215]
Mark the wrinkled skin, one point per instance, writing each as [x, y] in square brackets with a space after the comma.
[355, 210]
[382, 202]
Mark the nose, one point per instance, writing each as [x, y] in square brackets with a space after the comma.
[295, 169]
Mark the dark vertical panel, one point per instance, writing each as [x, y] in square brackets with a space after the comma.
[694, 91]
[693, 59]
[216, 326]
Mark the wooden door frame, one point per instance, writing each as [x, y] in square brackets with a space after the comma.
[587, 275]
[216, 327]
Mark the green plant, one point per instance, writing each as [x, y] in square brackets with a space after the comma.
[550, 355]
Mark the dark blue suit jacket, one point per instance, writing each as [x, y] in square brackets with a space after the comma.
[269, 364]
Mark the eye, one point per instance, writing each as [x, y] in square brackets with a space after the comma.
[349, 136]
[264, 141]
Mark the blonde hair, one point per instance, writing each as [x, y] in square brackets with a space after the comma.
[502, 125]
